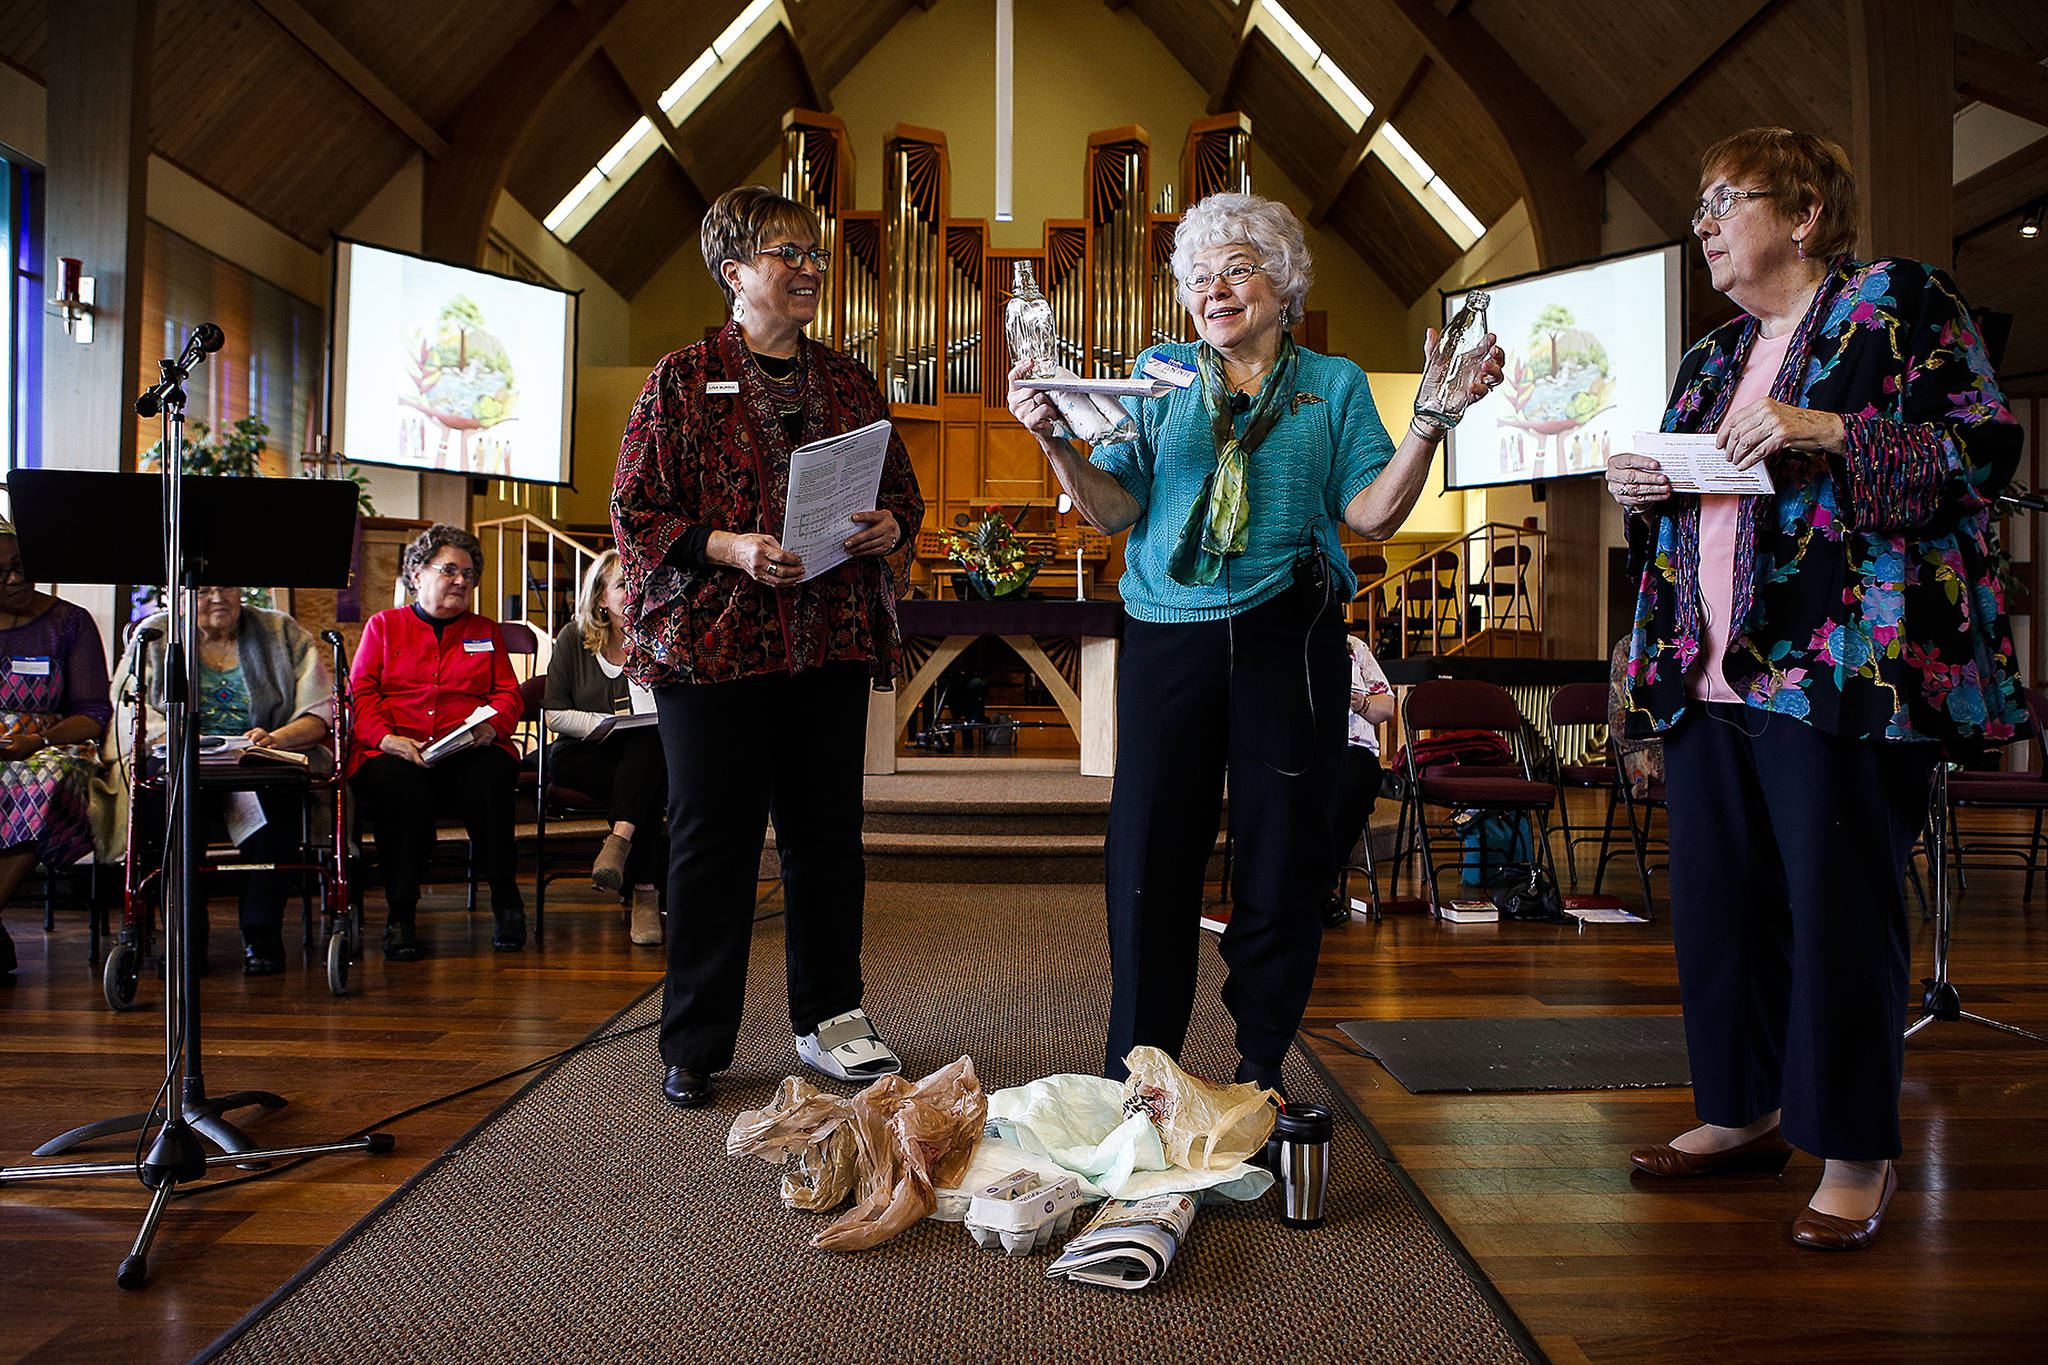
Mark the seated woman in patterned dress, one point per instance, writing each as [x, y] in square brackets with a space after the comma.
[53, 708]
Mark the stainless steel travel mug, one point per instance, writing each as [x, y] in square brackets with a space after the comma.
[1301, 1152]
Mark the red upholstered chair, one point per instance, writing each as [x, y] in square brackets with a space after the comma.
[2021, 793]
[1448, 704]
[1587, 704]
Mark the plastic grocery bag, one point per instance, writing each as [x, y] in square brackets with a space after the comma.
[803, 1122]
[911, 1139]
[1202, 1125]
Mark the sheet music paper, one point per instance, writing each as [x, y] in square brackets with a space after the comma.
[1694, 464]
[829, 481]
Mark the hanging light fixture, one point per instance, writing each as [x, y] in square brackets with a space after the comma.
[2030, 221]
[1005, 57]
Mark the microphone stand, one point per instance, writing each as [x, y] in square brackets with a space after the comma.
[177, 1156]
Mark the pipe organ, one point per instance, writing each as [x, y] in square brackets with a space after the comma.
[919, 297]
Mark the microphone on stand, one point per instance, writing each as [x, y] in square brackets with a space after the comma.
[206, 338]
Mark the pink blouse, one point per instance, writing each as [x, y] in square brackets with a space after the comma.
[1718, 512]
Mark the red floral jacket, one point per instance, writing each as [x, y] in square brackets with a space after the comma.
[697, 458]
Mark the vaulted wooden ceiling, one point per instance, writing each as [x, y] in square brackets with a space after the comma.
[304, 109]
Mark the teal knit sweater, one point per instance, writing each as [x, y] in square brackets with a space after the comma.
[1299, 480]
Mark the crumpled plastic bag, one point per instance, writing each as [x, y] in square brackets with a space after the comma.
[805, 1123]
[1074, 1124]
[912, 1139]
[1201, 1125]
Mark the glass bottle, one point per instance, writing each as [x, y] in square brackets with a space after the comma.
[1455, 364]
[1028, 322]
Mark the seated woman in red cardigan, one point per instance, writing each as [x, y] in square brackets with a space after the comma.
[425, 673]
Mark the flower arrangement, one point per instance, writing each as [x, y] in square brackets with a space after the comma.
[994, 558]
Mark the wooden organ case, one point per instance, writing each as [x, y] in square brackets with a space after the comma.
[919, 297]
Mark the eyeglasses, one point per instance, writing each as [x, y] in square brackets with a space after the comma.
[1232, 275]
[1721, 202]
[455, 571]
[222, 594]
[794, 257]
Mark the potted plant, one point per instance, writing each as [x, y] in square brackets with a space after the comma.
[996, 564]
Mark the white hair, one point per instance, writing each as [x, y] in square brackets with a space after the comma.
[1270, 229]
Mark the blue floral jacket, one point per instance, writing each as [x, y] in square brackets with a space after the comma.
[1866, 600]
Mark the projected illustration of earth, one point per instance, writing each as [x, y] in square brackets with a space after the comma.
[463, 382]
[1558, 381]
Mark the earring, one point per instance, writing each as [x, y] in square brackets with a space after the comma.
[1800, 243]
[603, 614]
[739, 308]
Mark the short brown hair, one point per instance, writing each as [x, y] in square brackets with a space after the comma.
[1800, 170]
[431, 542]
[734, 227]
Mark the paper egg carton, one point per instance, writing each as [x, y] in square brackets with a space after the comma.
[1023, 1212]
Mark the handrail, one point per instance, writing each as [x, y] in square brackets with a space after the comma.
[563, 550]
[1489, 578]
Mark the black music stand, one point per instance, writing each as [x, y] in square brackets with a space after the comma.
[1940, 999]
[287, 533]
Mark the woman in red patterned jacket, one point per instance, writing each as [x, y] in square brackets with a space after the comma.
[760, 674]
[423, 673]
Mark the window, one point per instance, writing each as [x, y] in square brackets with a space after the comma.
[21, 339]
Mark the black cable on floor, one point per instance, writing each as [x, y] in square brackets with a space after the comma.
[1343, 1044]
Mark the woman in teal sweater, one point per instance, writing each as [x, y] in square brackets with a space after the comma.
[1233, 656]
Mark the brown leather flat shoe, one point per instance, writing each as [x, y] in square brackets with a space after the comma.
[1829, 1232]
[1765, 1154]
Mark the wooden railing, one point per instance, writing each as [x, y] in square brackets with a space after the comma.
[1481, 592]
[534, 567]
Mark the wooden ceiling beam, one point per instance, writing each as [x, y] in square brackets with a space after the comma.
[462, 186]
[330, 53]
[2001, 189]
[2003, 80]
[671, 136]
[1726, 25]
[1226, 79]
[1354, 155]
[806, 68]
[1563, 197]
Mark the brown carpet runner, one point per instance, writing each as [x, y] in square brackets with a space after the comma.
[590, 1221]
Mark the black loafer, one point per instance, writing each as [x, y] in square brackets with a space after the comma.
[686, 1089]
[510, 934]
[400, 945]
[261, 961]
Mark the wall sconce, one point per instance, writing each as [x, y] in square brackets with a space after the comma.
[74, 299]
[2030, 221]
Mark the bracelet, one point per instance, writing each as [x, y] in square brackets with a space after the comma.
[1429, 427]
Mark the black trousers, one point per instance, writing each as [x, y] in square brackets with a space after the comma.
[1260, 696]
[1357, 792]
[780, 746]
[401, 800]
[628, 773]
[1788, 846]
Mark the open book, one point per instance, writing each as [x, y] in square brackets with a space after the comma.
[1129, 1243]
[455, 741]
[611, 725]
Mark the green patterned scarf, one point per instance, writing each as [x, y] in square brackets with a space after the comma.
[1221, 518]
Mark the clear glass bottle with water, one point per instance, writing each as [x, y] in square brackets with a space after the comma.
[1028, 323]
[1456, 363]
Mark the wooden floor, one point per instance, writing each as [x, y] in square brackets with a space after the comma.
[1600, 1266]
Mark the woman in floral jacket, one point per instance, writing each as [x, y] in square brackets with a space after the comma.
[760, 671]
[1806, 656]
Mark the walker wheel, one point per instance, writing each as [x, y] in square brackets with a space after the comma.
[337, 963]
[118, 977]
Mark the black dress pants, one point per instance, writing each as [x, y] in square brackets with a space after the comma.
[1358, 791]
[1261, 696]
[628, 773]
[780, 746]
[401, 800]
[279, 840]
[1788, 846]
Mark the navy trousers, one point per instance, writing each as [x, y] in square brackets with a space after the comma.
[779, 746]
[1260, 696]
[1788, 847]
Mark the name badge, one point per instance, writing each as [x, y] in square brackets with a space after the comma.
[32, 668]
[477, 646]
[717, 386]
[1168, 371]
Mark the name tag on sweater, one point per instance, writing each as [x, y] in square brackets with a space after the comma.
[1168, 371]
[721, 386]
[477, 646]
[32, 668]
